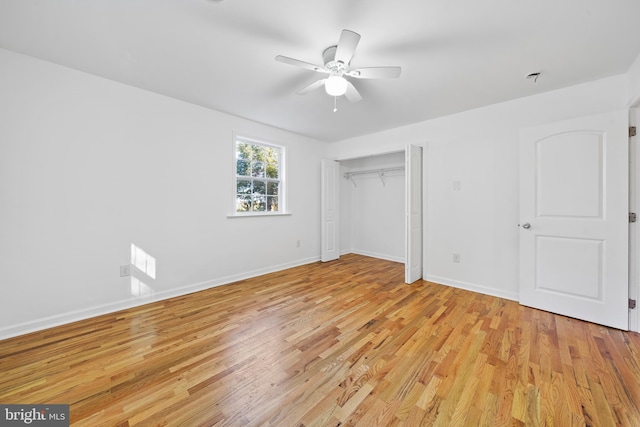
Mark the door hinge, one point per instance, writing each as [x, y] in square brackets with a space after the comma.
[632, 217]
[632, 303]
[632, 131]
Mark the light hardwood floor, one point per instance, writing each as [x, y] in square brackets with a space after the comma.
[342, 343]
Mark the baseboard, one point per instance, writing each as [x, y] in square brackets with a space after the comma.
[472, 287]
[77, 315]
[377, 255]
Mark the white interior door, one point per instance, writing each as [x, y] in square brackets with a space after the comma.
[330, 215]
[413, 198]
[574, 218]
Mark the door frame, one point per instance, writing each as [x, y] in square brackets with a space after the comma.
[634, 206]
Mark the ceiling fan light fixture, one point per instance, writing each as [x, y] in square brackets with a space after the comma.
[336, 85]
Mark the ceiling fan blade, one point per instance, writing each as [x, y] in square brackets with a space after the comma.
[313, 86]
[302, 64]
[352, 93]
[347, 46]
[376, 73]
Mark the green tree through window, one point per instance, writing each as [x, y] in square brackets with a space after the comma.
[258, 176]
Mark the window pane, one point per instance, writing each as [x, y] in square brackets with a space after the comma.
[259, 203]
[272, 203]
[259, 187]
[272, 188]
[259, 153]
[272, 170]
[272, 154]
[242, 167]
[257, 169]
[243, 203]
[243, 186]
[243, 151]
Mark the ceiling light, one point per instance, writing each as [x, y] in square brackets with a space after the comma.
[335, 85]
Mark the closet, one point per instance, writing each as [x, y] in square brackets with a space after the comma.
[373, 206]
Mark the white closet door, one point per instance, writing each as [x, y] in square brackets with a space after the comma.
[413, 198]
[330, 215]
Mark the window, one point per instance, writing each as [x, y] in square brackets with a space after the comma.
[259, 177]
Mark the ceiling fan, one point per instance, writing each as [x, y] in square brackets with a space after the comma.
[336, 64]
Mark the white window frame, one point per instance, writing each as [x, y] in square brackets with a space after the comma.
[282, 189]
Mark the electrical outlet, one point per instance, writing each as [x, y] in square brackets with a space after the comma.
[456, 258]
[298, 244]
[456, 186]
[125, 270]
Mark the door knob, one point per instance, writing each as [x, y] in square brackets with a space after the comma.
[526, 226]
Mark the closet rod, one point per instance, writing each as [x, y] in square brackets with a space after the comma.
[348, 175]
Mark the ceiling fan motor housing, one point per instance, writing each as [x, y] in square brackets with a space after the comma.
[330, 63]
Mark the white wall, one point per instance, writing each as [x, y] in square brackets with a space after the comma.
[89, 166]
[634, 83]
[479, 149]
[372, 213]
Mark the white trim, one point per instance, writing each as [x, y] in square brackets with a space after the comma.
[473, 287]
[258, 214]
[634, 206]
[371, 153]
[377, 255]
[83, 314]
[425, 205]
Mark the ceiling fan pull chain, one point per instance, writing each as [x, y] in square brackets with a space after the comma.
[335, 104]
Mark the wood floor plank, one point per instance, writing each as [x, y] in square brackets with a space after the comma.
[326, 344]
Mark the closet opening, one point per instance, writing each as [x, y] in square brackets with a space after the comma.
[377, 210]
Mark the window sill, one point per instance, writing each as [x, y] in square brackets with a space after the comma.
[257, 215]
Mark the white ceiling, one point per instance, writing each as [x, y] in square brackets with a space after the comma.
[455, 54]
